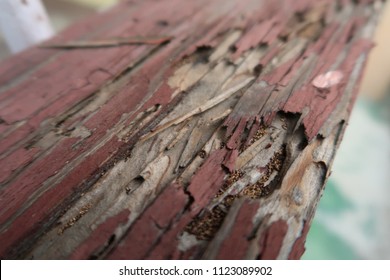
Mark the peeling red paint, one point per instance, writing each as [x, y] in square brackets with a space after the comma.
[322, 107]
[25, 224]
[144, 233]
[327, 34]
[235, 139]
[30, 59]
[15, 160]
[207, 181]
[277, 75]
[268, 57]
[230, 160]
[254, 128]
[271, 240]
[235, 246]
[299, 245]
[272, 35]
[14, 137]
[4, 127]
[167, 247]
[252, 37]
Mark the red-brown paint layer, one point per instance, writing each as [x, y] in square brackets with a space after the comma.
[235, 246]
[147, 229]
[271, 240]
[100, 236]
[208, 180]
[299, 245]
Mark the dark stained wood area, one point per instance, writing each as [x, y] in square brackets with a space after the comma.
[178, 129]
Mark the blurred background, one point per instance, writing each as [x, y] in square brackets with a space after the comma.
[353, 218]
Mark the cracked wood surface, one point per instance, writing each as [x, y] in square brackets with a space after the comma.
[215, 144]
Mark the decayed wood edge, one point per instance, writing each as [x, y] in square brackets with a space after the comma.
[227, 182]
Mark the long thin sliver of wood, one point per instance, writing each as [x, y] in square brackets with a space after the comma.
[206, 106]
[111, 42]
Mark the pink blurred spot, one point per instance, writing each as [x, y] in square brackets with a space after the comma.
[327, 80]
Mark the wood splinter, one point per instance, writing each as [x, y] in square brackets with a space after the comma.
[110, 42]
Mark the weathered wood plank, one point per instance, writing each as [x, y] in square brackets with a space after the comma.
[216, 144]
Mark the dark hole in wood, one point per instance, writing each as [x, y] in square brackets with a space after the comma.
[98, 254]
[233, 48]
[257, 70]
[300, 16]
[139, 180]
[283, 38]
[162, 23]
[202, 54]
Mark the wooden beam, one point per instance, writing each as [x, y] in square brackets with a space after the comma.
[215, 144]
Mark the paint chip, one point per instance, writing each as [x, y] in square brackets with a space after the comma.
[327, 80]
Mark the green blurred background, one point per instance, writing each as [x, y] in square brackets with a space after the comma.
[352, 220]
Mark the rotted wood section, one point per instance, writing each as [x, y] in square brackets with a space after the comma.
[206, 131]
